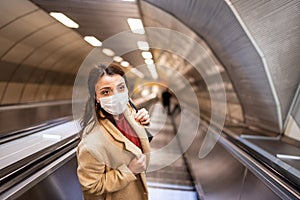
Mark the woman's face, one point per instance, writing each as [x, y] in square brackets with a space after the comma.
[109, 85]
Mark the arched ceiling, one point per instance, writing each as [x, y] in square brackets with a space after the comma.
[256, 46]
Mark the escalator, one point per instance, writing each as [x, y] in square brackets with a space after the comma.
[41, 164]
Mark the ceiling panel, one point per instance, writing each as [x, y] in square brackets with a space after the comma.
[26, 25]
[102, 19]
[20, 8]
[95, 17]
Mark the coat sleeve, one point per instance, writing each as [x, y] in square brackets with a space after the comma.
[94, 178]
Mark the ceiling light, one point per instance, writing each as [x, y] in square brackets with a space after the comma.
[153, 72]
[125, 64]
[155, 89]
[136, 25]
[143, 45]
[147, 55]
[149, 61]
[108, 52]
[93, 41]
[117, 58]
[137, 72]
[64, 19]
[145, 93]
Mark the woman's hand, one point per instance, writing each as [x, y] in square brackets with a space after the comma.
[142, 116]
[138, 165]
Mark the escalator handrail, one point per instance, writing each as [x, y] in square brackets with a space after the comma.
[21, 169]
[255, 162]
[33, 129]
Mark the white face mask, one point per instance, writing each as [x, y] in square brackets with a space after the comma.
[115, 104]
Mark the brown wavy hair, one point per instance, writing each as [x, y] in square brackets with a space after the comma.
[93, 108]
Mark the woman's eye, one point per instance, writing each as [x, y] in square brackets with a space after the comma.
[122, 87]
[105, 92]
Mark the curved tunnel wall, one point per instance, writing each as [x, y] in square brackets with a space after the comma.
[265, 101]
[39, 56]
[199, 66]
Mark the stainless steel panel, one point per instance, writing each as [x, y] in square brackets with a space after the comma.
[228, 172]
[13, 118]
[296, 110]
[219, 175]
[61, 183]
[253, 188]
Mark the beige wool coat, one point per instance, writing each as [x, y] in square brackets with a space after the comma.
[103, 156]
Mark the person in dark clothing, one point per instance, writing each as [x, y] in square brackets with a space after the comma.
[176, 109]
[166, 96]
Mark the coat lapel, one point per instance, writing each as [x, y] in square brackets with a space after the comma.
[141, 133]
[139, 130]
[119, 137]
[128, 145]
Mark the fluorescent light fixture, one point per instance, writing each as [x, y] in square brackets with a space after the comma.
[64, 19]
[117, 58]
[136, 25]
[147, 55]
[155, 89]
[108, 52]
[289, 157]
[144, 46]
[137, 72]
[153, 72]
[149, 61]
[125, 64]
[145, 93]
[93, 41]
[51, 137]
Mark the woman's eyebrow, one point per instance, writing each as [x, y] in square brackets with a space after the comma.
[108, 87]
[105, 87]
[121, 83]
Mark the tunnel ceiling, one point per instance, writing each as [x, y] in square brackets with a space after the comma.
[102, 19]
[40, 57]
[261, 60]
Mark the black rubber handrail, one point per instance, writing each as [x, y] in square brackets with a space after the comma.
[33, 129]
[286, 178]
[284, 175]
[22, 169]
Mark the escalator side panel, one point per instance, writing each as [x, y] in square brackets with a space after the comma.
[61, 184]
[255, 189]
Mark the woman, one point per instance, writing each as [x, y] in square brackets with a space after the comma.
[113, 153]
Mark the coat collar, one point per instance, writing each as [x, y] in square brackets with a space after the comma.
[128, 145]
[119, 137]
[139, 130]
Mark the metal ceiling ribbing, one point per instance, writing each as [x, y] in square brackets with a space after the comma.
[216, 23]
[261, 63]
[198, 65]
[275, 29]
[37, 54]
[102, 19]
